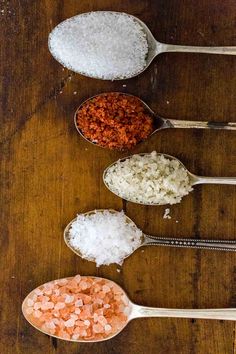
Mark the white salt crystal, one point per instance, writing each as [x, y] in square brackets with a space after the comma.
[69, 323]
[101, 44]
[104, 236]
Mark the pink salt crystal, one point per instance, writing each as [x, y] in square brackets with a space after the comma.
[77, 311]
[59, 306]
[83, 333]
[47, 306]
[97, 328]
[75, 336]
[29, 310]
[37, 314]
[57, 292]
[69, 299]
[75, 317]
[95, 317]
[37, 305]
[30, 302]
[62, 282]
[107, 306]
[83, 285]
[64, 335]
[34, 297]
[38, 292]
[77, 278]
[44, 299]
[107, 328]
[105, 289]
[50, 325]
[79, 303]
[87, 323]
[102, 320]
[70, 323]
[56, 321]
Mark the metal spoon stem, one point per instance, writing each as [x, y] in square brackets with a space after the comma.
[183, 124]
[216, 314]
[220, 245]
[195, 49]
[214, 180]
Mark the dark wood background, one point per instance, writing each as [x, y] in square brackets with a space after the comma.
[48, 174]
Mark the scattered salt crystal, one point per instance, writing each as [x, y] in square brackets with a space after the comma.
[101, 44]
[75, 92]
[124, 85]
[167, 102]
[104, 236]
[166, 214]
[118, 270]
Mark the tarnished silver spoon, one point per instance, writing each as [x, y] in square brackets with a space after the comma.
[154, 48]
[138, 311]
[192, 179]
[160, 122]
[147, 240]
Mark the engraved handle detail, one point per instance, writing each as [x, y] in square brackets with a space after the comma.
[220, 245]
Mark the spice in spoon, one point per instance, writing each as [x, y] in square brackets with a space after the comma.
[79, 308]
[104, 237]
[114, 120]
[102, 44]
[148, 179]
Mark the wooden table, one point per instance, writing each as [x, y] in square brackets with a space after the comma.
[48, 174]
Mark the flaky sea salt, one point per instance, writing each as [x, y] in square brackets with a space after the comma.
[104, 237]
[149, 179]
[102, 44]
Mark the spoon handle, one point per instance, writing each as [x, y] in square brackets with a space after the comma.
[196, 49]
[174, 123]
[220, 245]
[213, 314]
[214, 180]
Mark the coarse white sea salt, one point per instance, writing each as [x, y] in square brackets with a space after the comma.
[149, 179]
[104, 237]
[102, 44]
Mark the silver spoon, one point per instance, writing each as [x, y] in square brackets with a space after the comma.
[154, 48]
[147, 240]
[193, 179]
[138, 311]
[160, 122]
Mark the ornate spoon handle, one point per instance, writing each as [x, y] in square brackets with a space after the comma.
[220, 245]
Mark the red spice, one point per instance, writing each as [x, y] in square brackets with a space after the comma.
[115, 120]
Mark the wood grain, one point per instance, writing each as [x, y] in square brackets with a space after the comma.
[48, 174]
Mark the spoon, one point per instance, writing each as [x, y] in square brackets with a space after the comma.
[135, 311]
[138, 311]
[147, 240]
[160, 122]
[193, 179]
[154, 48]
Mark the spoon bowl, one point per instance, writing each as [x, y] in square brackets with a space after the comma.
[193, 179]
[159, 122]
[154, 48]
[147, 240]
[134, 311]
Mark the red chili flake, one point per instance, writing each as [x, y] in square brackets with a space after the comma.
[115, 121]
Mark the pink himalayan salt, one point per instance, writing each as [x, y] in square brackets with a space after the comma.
[79, 308]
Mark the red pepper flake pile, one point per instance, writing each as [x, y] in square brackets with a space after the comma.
[115, 121]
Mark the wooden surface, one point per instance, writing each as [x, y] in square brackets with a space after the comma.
[48, 174]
